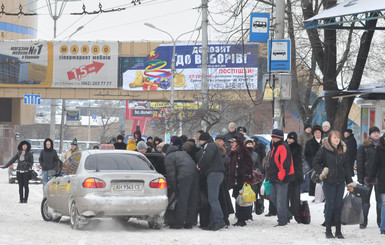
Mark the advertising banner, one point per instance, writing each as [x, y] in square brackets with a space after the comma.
[86, 64]
[228, 66]
[26, 64]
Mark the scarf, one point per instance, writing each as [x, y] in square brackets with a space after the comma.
[22, 156]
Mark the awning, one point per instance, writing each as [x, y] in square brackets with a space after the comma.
[342, 15]
[368, 94]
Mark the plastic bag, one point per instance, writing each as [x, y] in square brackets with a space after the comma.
[267, 187]
[351, 210]
[319, 195]
[305, 213]
[248, 195]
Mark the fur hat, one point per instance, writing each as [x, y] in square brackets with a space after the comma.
[326, 123]
[220, 137]
[248, 141]
[74, 142]
[306, 125]
[349, 131]
[316, 128]
[373, 129]
[292, 135]
[204, 136]
[243, 129]
[120, 137]
[277, 133]
[231, 125]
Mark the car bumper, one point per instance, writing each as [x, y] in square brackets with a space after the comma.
[92, 205]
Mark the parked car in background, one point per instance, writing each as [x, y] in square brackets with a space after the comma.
[36, 167]
[106, 183]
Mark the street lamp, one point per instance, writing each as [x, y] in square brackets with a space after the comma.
[79, 28]
[172, 61]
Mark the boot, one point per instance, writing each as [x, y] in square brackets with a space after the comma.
[328, 225]
[338, 230]
[139, 80]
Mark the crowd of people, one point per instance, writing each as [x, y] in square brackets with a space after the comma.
[201, 171]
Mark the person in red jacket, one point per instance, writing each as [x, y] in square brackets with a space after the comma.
[281, 174]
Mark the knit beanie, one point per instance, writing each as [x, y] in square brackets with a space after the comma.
[373, 129]
[141, 145]
[292, 135]
[277, 133]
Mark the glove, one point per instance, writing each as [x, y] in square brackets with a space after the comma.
[324, 174]
[370, 181]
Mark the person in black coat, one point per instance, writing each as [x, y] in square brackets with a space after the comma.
[49, 161]
[119, 144]
[210, 164]
[351, 151]
[294, 193]
[182, 179]
[378, 171]
[331, 164]
[311, 149]
[365, 160]
[24, 160]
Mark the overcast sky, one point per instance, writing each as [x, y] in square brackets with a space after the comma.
[173, 16]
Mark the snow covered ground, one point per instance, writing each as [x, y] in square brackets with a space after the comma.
[23, 224]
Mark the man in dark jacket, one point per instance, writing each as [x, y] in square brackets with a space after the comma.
[294, 192]
[210, 164]
[182, 179]
[351, 151]
[48, 160]
[281, 174]
[311, 149]
[365, 161]
[119, 144]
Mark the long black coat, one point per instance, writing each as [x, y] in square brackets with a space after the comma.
[365, 159]
[351, 152]
[378, 167]
[296, 153]
[240, 167]
[312, 147]
[48, 157]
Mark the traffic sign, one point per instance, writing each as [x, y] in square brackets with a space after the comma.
[279, 56]
[162, 113]
[32, 99]
[259, 27]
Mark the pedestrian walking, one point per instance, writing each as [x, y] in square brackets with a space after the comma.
[331, 164]
[24, 160]
[49, 161]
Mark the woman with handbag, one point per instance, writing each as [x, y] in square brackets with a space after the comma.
[332, 166]
[25, 161]
[240, 171]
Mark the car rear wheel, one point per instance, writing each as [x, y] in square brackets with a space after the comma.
[155, 222]
[77, 221]
[46, 214]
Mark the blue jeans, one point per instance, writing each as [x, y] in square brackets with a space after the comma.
[47, 175]
[334, 194]
[278, 195]
[382, 225]
[214, 181]
[306, 184]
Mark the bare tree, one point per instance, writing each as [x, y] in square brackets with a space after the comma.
[108, 112]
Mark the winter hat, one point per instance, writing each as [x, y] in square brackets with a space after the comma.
[326, 123]
[165, 148]
[204, 136]
[120, 137]
[248, 141]
[141, 145]
[156, 138]
[373, 129]
[243, 129]
[277, 133]
[74, 142]
[292, 135]
[237, 139]
[349, 131]
[306, 125]
[316, 128]
[220, 137]
[177, 142]
[160, 146]
[183, 138]
[131, 145]
[231, 125]
[150, 138]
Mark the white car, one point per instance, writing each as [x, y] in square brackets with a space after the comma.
[106, 183]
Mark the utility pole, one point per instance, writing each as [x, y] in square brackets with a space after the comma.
[205, 59]
[279, 33]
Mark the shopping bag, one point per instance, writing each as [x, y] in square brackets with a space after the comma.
[362, 192]
[351, 210]
[259, 207]
[305, 213]
[305, 167]
[242, 203]
[319, 193]
[248, 195]
[267, 187]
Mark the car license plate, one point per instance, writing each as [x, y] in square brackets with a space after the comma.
[127, 186]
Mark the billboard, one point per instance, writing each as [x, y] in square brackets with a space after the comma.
[58, 64]
[86, 64]
[228, 66]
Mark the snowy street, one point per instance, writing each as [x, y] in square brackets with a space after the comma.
[23, 224]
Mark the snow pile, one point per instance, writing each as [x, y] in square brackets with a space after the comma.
[23, 224]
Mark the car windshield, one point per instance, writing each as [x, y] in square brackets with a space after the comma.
[112, 161]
